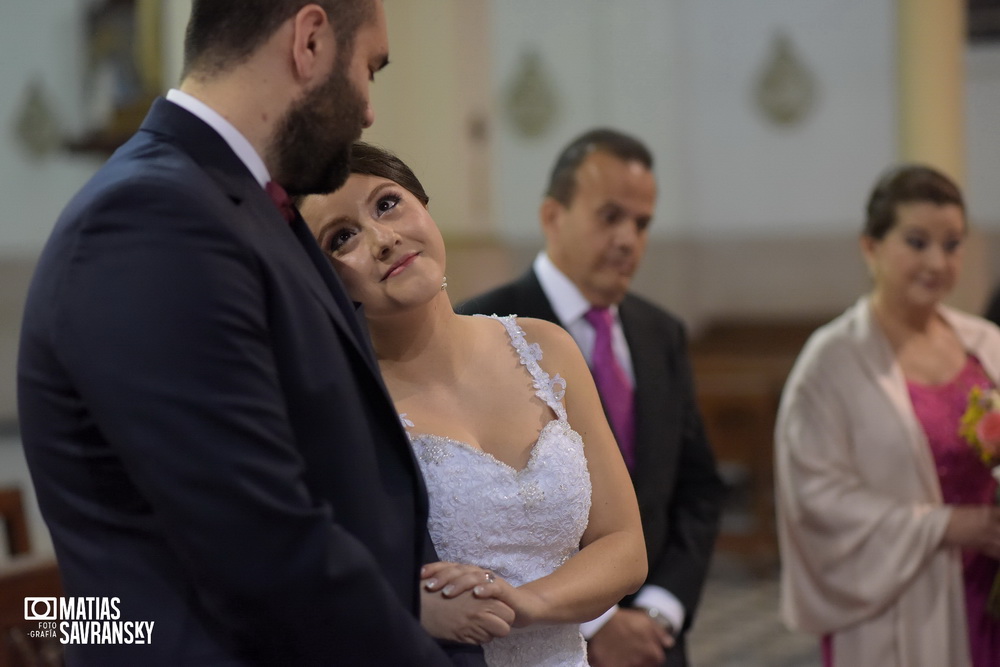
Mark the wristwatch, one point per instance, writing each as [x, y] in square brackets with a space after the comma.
[659, 618]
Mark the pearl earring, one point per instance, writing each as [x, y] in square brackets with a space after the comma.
[444, 283]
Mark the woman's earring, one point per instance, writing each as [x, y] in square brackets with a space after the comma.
[444, 283]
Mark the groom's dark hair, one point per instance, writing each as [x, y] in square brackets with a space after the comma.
[223, 33]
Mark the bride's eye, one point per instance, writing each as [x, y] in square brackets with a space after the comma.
[386, 204]
[336, 239]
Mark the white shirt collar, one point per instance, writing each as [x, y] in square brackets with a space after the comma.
[570, 306]
[566, 298]
[240, 145]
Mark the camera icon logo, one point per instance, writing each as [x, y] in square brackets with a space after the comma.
[40, 609]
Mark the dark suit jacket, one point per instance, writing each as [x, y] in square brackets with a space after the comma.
[993, 307]
[676, 482]
[207, 431]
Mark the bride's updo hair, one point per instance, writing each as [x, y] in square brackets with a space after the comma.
[369, 160]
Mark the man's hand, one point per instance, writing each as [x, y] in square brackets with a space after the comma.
[630, 639]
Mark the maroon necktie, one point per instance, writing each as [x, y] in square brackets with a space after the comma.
[612, 383]
[281, 200]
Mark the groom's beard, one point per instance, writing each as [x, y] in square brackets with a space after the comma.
[312, 146]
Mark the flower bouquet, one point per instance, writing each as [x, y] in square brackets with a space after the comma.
[980, 426]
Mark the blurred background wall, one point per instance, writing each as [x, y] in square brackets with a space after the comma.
[769, 120]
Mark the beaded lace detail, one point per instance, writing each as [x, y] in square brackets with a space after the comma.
[522, 524]
[549, 390]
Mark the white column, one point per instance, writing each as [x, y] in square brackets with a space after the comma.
[931, 63]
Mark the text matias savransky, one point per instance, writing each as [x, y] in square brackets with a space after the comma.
[85, 620]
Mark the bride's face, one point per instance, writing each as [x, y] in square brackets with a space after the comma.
[382, 242]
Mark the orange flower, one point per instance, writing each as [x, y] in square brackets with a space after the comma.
[988, 432]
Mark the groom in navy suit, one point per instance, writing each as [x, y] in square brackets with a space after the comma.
[596, 215]
[207, 431]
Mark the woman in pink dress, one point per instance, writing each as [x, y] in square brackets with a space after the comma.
[888, 529]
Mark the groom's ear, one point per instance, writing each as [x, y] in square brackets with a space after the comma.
[314, 46]
[549, 214]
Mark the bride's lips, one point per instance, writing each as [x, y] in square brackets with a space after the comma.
[400, 264]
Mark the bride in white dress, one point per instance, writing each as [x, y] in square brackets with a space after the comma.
[524, 478]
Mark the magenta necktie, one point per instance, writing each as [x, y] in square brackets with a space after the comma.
[612, 383]
[281, 200]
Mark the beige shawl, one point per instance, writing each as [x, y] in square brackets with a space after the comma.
[860, 515]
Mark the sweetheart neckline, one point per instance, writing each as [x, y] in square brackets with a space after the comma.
[487, 455]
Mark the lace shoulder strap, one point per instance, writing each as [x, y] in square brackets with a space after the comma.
[550, 390]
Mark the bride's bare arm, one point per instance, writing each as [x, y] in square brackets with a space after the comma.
[612, 559]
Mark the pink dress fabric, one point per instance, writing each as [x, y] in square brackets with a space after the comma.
[964, 481]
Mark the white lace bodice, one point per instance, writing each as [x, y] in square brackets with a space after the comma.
[522, 524]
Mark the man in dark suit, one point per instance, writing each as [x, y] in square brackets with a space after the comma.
[207, 431]
[595, 218]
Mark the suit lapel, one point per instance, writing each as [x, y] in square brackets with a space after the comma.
[280, 247]
[210, 151]
[342, 310]
[652, 375]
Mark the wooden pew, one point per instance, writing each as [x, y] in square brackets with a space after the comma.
[740, 368]
[23, 575]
